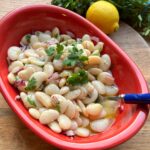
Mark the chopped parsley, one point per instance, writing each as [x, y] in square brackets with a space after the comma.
[79, 78]
[75, 57]
[31, 84]
[50, 51]
[28, 37]
[58, 107]
[59, 50]
[32, 102]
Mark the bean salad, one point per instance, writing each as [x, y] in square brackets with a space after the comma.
[61, 78]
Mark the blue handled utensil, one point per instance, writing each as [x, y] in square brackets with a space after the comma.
[131, 98]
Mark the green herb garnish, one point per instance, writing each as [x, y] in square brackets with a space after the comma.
[31, 84]
[32, 102]
[79, 78]
[50, 51]
[75, 57]
[58, 107]
[59, 50]
[28, 37]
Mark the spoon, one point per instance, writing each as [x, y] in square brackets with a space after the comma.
[130, 98]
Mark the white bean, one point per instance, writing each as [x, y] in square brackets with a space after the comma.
[44, 37]
[94, 109]
[85, 121]
[55, 32]
[58, 65]
[34, 113]
[39, 45]
[106, 78]
[55, 127]
[48, 116]
[82, 132]
[64, 90]
[99, 46]
[64, 122]
[71, 110]
[14, 65]
[35, 67]
[42, 109]
[111, 90]
[62, 82]
[91, 77]
[13, 52]
[83, 93]
[43, 99]
[92, 97]
[49, 69]
[88, 45]
[33, 39]
[36, 61]
[94, 60]
[30, 53]
[99, 86]
[11, 78]
[105, 62]
[100, 125]
[74, 125]
[79, 121]
[52, 89]
[89, 87]
[94, 71]
[82, 107]
[73, 94]
[26, 73]
[86, 37]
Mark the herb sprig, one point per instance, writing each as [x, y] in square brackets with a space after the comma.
[79, 78]
[134, 12]
[75, 57]
[31, 84]
[31, 102]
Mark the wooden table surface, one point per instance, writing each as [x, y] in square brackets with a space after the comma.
[14, 135]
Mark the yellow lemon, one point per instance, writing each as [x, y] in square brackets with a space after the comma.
[104, 15]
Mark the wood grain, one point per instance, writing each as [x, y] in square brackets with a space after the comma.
[13, 133]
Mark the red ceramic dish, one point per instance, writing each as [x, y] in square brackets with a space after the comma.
[128, 77]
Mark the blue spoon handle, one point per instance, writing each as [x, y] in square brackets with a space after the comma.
[137, 98]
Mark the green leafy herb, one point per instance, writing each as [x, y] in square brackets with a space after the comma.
[28, 37]
[58, 107]
[79, 78]
[134, 12]
[59, 50]
[31, 84]
[75, 57]
[32, 102]
[50, 51]
[16, 78]
[75, 5]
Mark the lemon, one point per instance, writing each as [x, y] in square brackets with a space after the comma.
[104, 15]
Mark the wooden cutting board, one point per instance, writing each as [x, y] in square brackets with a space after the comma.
[14, 135]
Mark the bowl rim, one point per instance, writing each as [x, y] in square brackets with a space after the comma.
[130, 131]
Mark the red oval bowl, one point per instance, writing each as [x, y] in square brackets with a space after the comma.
[127, 76]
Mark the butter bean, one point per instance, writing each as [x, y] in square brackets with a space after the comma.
[55, 127]
[64, 122]
[48, 116]
[100, 125]
[82, 132]
[34, 113]
[44, 99]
